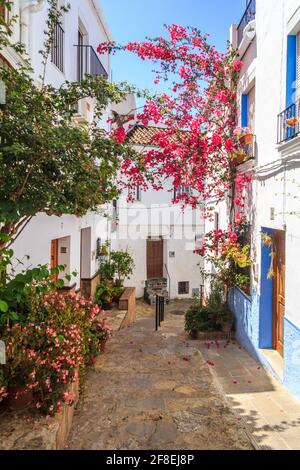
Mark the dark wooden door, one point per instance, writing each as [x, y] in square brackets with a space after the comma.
[54, 257]
[279, 291]
[155, 258]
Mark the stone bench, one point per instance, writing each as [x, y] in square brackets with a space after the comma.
[127, 303]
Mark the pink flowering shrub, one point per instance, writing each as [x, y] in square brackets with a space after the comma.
[45, 355]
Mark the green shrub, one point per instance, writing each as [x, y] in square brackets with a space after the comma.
[213, 316]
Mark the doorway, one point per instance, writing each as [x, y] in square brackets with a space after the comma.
[279, 290]
[155, 258]
[54, 258]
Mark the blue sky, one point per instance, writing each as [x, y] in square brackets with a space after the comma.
[133, 20]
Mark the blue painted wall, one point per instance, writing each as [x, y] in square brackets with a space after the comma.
[254, 325]
[246, 312]
[292, 357]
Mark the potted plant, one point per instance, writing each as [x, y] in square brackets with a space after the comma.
[245, 135]
[291, 122]
[123, 265]
[104, 296]
[238, 157]
[107, 272]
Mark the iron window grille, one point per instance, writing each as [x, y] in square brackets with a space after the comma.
[183, 288]
[57, 47]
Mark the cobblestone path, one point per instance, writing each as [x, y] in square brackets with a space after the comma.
[154, 391]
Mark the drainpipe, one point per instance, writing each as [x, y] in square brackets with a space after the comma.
[27, 7]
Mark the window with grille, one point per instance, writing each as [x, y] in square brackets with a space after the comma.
[57, 47]
[138, 194]
[183, 287]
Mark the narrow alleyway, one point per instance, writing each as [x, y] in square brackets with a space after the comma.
[154, 391]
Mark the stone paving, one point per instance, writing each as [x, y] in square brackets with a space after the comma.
[271, 414]
[154, 391]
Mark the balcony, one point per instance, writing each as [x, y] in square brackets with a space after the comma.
[248, 16]
[88, 63]
[288, 125]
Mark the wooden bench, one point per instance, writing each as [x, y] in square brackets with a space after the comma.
[127, 303]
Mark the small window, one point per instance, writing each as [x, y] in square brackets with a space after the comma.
[138, 194]
[181, 191]
[57, 47]
[183, 288]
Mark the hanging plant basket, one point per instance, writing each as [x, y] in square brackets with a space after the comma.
[239, 158]
[246, 139]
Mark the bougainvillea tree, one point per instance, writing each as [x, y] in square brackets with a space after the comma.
[196, 144]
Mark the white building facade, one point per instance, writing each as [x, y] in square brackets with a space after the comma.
[160, 236]
[65, 240]
[268, 321]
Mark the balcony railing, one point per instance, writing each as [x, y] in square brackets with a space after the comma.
[288, 125]
[248, 16]
[57, 47]
[88, 63]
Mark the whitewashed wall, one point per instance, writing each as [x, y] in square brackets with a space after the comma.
[35, 240]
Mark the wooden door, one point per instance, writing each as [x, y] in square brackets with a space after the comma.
[155, 258]
[54, 257]
[279, 291]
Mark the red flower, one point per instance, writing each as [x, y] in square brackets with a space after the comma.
[120, 135]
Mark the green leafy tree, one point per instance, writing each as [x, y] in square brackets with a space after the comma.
[47, 162]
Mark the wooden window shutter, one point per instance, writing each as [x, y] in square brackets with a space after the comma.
[251, 109]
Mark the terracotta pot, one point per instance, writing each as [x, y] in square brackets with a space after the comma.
[239, 159]
[18, 398]
[292, 122]
[246, 139]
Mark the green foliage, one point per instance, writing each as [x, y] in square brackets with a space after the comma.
[107, 270]
[47, 163]
[122, 263]
[63, 332]
[213, 316]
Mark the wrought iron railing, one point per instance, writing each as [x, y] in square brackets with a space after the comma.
[288, 123]
[57, 47]
[88, 63]
[159, 311]
[248, 16]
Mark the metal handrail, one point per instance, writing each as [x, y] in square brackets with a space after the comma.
[288, 123]
[160, 311]
[169, 279]
[88, 62]
[248, 16]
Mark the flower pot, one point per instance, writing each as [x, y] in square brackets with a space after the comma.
[239, 158]
[246, 139]
[18, 398]
[291, 122]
